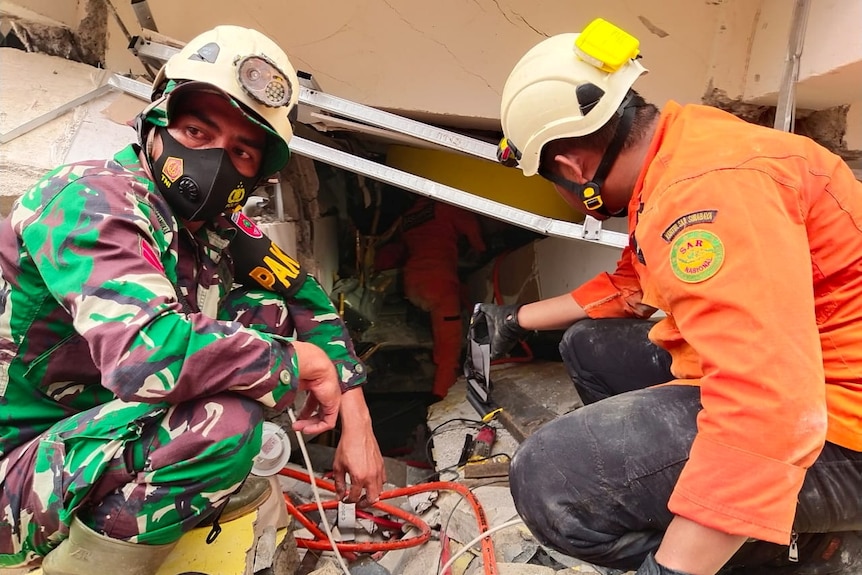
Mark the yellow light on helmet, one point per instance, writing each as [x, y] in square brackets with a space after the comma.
[606, 46]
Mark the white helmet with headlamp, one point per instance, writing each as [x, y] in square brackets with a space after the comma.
[566, 86]
[252, 73]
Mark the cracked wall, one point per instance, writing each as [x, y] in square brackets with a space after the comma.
[447, 61]
[749, 57]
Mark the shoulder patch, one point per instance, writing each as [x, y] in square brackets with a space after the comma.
[246, 224]
[701, 217]
[149, 254]
[696, 256]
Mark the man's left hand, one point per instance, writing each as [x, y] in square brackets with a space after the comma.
[358, 454]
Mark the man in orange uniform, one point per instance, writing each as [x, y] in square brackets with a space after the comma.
[431, 232]
[749, 458]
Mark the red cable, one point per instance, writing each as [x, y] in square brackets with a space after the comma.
[311, 526]
[323, 544]
[379, 520]
[369, 547]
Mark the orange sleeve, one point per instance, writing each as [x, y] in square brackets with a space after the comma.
[740, 291]
[613, 295]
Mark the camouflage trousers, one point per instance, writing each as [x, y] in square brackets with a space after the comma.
[146, 473]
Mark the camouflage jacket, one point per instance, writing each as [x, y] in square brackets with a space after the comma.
[104, 295]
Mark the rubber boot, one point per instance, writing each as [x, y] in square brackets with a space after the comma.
[251, 495]
[86, 552]
[254, 491]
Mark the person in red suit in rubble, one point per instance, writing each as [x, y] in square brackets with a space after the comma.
[431, 232]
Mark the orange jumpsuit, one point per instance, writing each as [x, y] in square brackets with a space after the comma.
[754, 253]
[431, 231]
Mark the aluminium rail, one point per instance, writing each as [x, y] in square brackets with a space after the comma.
[588, 231]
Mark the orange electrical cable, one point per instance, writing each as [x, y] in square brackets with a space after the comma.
[369, 547]
[321, 543]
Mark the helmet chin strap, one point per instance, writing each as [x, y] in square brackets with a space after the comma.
[590, 192]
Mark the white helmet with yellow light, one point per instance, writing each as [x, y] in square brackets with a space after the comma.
[566, 86]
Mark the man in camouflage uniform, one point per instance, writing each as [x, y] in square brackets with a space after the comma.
[145, 324]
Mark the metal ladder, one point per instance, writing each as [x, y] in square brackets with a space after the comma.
[152, 50]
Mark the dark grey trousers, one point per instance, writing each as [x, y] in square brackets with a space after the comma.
[594, 483]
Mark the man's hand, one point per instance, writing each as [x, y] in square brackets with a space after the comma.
[504, 331]
[317, 376]
[357, 454]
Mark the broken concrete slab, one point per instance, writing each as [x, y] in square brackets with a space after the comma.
[32, 85]
[519, 569]
[514, 545]
[496, 502]
[421, 561]
[327, 567]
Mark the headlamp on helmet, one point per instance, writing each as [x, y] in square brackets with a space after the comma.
[262, 80]
[606, 46]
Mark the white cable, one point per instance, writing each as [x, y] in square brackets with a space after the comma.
[316, 491]
[481, 536]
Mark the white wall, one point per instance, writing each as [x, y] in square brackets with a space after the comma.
[450, 58]
[830, 71]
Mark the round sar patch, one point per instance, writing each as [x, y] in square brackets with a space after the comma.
[696, 256]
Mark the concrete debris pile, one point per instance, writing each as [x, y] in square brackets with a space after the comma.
[449, 507]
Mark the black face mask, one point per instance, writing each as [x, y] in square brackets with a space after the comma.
[198, 184]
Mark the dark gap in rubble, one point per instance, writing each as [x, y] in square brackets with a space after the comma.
[86, 44]
[11, 40]
[826, 127]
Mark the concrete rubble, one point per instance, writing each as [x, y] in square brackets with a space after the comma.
[447, 512]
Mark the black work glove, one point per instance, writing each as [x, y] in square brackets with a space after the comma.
[650, 567]
[504, 331]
